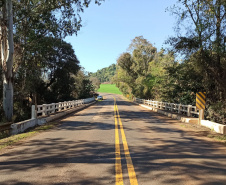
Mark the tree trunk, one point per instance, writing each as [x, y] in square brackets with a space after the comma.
[8, 98]
[7, 50]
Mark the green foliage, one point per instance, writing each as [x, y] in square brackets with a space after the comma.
[181, 83]
[46, 69]
[217, 111]
[204, 48]
[96, 83]
[105, 74]
[109, 88]
[141, 71]
[87, 88]
[62, 64]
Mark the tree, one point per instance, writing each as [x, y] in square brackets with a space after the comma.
[96, 83]
[143, 53]
[7, 50]
[203, 45]
[62, 63]
[87, 88]
[205, 38]
[105, 74]
[126, 76]
[33, 21]
[141, 71]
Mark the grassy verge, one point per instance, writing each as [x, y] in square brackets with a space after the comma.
[109, 88]
[206, 132]
[16, 138]
[221, 138]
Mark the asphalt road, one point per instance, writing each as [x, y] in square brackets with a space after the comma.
[111, 142]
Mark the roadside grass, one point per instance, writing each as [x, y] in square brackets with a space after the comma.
[109, 88]
[205, 132]
[218, 137]
[12, 140]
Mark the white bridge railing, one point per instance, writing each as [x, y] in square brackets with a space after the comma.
[189, 110]
[46, 109]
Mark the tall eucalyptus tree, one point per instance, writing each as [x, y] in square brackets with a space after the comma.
[7, 50]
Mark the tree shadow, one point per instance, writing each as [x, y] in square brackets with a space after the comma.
[160, 152]
[58, 153]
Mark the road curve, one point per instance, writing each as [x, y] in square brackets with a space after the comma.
[115, 142]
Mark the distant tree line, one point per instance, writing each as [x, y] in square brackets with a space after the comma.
[44, 68]
[146, 73]
[104, 74]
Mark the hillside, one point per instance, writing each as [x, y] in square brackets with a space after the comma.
[105, 74]
[109, 88]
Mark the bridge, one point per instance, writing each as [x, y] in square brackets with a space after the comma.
[115, 141]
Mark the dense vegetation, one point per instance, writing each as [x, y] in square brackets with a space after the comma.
[146, 73]
[44, 68]
[105, 74]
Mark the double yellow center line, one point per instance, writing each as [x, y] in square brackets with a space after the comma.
[118, 165]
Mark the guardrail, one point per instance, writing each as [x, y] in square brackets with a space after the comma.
[39, 115]
[189, 110]
[47, 109]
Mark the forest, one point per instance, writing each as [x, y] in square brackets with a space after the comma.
[105, 74]
[37, 65]
[194, 62]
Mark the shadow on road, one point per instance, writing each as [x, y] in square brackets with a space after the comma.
[162, 152]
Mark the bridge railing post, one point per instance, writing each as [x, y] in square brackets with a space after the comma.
[60, 106]
[53, 108]
[33, 112]
[189, 110]
[44, 111]
[171, 105]
[179, 108]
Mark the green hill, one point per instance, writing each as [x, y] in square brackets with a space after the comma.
[105, 74]
[109, 88]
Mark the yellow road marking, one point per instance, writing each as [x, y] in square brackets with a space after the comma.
[130, 167]
[118, 166]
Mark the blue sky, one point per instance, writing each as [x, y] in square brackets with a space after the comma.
[108, 29]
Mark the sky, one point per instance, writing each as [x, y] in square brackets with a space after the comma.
[108, 29]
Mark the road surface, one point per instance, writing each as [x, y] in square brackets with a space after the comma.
[115, 142]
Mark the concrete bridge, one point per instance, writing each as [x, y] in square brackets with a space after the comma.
[115, 141]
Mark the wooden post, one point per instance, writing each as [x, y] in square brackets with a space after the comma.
[201, 115]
